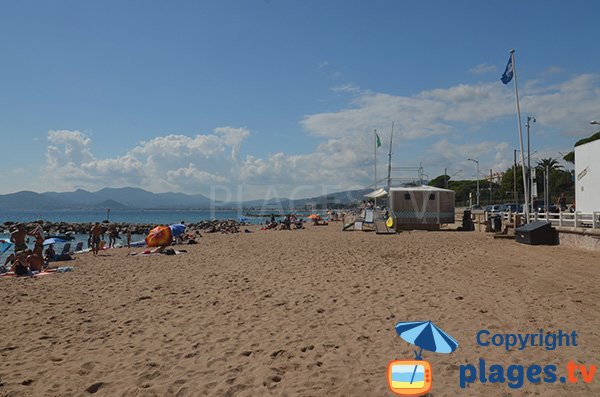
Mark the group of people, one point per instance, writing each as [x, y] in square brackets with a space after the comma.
[285, 224]
[96, 236]
[24, 260]
[225, 227]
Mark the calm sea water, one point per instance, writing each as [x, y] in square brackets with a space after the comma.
[129, 216]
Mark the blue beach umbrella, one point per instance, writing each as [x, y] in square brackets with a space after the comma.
[4, 246]
[53, 240]
[177, 229]
[426, 335]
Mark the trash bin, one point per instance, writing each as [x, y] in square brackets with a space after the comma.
[496, 223]
[467, 222]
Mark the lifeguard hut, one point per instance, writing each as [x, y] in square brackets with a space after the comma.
[421, 207]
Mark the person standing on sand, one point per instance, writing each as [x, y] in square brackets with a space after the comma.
[112, 235]
[38, 233]
[18, 238]
[128, 236]
[38, 230]
[562, 202]
[96, 231]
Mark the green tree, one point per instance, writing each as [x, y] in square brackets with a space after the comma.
[570, 157]
[508, 182]
[549, 162]
[438, 181]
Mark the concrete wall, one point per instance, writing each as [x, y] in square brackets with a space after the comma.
[587, 177]
[588, 239]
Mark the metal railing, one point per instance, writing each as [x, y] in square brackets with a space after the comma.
[565, 219]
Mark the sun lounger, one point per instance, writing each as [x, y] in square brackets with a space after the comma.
[66, 249]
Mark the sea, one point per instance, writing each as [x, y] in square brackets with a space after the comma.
[163, 217]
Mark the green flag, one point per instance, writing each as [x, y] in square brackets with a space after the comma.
[377, 140]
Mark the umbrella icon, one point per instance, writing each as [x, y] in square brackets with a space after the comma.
[425, 335]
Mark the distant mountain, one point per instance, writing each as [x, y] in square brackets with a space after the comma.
[324, 201]
[112, 204]
[114, 198]
[79, 197]
[135, 198]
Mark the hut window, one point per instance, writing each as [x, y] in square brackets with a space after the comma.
[432, 196]
[406, 196]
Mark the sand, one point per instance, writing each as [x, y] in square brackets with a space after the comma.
[294, 313]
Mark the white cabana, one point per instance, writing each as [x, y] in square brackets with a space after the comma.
[422, 207]
[377, 193]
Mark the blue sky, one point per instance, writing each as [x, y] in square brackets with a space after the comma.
[266, 96]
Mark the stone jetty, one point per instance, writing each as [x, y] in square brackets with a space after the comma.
[59, 229]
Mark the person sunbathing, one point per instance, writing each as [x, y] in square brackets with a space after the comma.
[35, 262]
[20, 266]
[50, 254]
[318, 221]
[9, 261]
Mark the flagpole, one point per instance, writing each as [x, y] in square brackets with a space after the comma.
[375, 154]
[526, 190]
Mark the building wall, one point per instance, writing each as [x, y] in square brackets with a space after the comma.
[414, 209]
[587, 177]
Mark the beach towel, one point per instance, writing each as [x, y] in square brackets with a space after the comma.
[47, 272]
[155, 252]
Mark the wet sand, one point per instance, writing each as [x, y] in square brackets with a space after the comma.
[294, 313]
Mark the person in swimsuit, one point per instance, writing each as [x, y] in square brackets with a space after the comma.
[38, 233]
[18, 238]
[35, 262]
[9, 260]
[96, 231]
[20, 267]
[50, 253]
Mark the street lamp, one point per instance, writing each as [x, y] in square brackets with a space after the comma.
[530, 119]
[595, 122]
[476, 162]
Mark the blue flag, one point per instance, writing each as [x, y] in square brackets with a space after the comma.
[508, 72]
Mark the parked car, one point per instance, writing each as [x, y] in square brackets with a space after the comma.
[538, 206]
[493, 208]
[552, 208]
[512, 207]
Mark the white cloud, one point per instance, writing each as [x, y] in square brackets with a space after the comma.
[483, 68]
[440, 127]
[164, 163]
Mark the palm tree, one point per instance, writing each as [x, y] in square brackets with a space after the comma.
[551, 163]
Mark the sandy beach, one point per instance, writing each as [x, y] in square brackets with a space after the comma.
[294, 313]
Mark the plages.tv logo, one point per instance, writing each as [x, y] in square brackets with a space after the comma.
[414, 377]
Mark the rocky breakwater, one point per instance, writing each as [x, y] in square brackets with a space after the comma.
[66, 229]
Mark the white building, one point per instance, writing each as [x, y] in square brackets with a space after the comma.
[587, 177]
